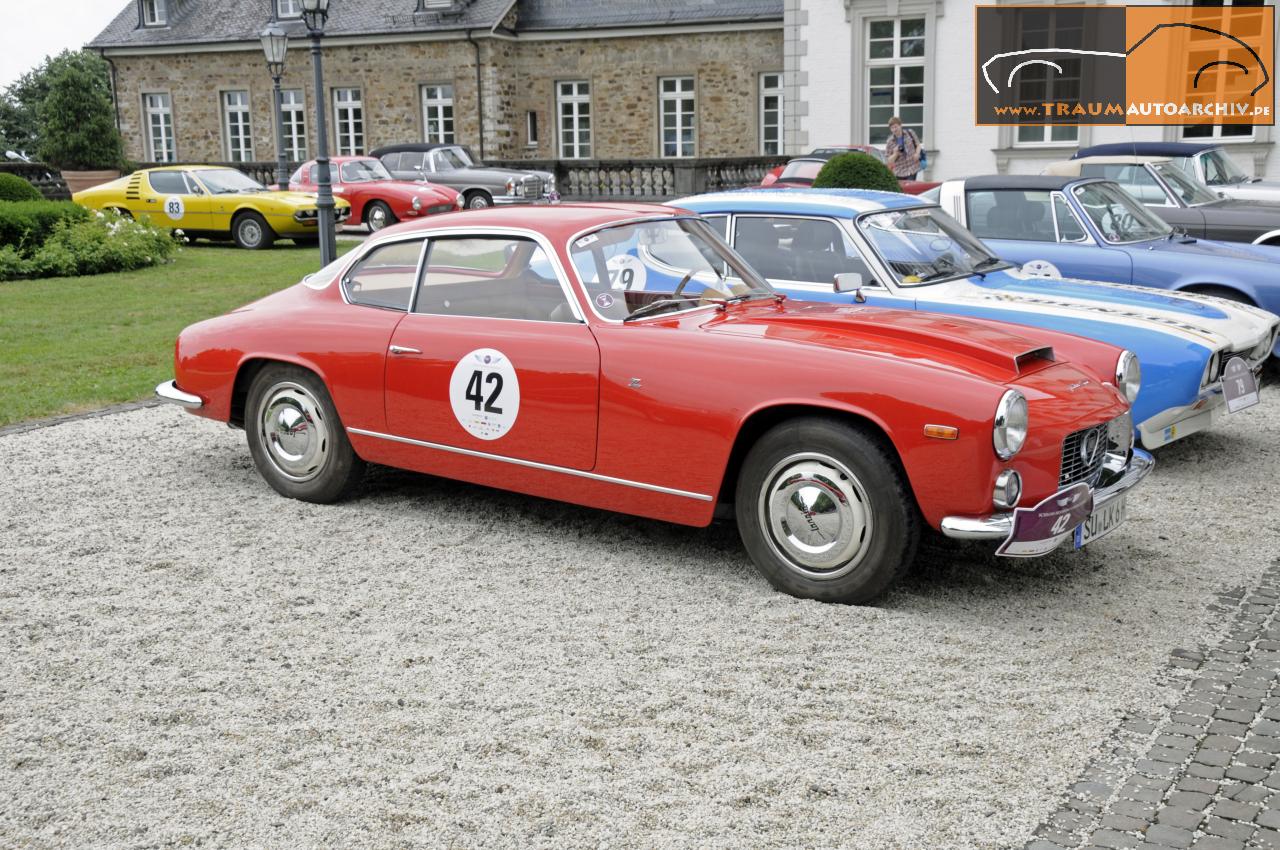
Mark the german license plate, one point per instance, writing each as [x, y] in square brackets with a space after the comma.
[1101, 522]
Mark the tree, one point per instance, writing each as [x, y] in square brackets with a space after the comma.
[856, 170]
[77, 122]
[20, 122]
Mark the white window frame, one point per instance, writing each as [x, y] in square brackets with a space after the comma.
[1045, 139]
[347, 141]
[288, 9]
[531, 129]
[897, 62]
[573, 103]
[293, 123]
[1216, 134]
[237, 115]
[680, 97]
[437, 106]
[155, 13]
[162, 146]
[771, 87]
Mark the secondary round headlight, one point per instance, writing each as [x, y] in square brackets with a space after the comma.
[1010, 430]
[1211, 371]
[1128, 375]
[1008, 489]
[417, 202]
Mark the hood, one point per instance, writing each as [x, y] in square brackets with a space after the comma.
[1210, 322]
[484, 172]
[1257, 190]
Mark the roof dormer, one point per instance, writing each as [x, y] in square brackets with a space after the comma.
[153, 13]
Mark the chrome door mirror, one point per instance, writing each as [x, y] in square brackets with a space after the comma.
[848, 282]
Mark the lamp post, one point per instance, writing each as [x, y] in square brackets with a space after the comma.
[314, 15]
[275, 44]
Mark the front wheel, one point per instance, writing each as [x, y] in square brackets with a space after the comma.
[478, 200]
[825, 511]
[296, 438]
[378, 215]
[251, 231]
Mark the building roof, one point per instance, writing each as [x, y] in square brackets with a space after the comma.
[1165, 149]
[840, 202]
[216, 21]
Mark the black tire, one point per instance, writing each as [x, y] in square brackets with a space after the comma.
[285, 401]
[822, 458]
[378, 215]
[120, 211]
[252, 232]
[478, 200]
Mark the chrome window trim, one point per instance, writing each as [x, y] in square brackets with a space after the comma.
[532, 464]
[1057, 195]
[806, 285]
[343, 278]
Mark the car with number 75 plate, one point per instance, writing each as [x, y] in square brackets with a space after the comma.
[623, 357]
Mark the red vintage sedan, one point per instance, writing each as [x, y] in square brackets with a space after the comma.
[621, 356]
[377, 199]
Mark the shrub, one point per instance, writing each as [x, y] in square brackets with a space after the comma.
[102, 243]
[856, 170]
[25, 225]
[14, 188]
[78, 129]
[21, 122]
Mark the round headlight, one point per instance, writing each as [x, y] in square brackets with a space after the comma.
[1128, 375]
[511, 186]
[1010, 430]
[1008, 489]
[1211, 371]
[417, 202]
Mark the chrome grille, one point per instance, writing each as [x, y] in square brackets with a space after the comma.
[531, 187]
[1082, 455]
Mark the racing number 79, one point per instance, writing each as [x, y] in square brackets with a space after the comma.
[475, 393]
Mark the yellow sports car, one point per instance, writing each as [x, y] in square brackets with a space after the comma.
[212, 202]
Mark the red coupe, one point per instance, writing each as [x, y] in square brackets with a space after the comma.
[801, 171]
[377, 199]
[621, 356]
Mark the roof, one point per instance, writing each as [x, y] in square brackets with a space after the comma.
[411, 147]
[1073, 166]
[843, 202]
[591, 14]
[556, 221]
[1032, 182]
[215, 21]
[1166, 149]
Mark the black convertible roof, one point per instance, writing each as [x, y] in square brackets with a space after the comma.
[1040, 182]
[411, 147]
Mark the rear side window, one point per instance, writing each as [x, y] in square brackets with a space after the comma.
[1011, 214]
[496, 277]
[385, 276]
[810, 250]
[168, 182]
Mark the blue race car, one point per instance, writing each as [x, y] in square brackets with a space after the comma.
[1059, 226]
[910, 254]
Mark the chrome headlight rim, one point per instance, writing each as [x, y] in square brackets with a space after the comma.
[417, 203]
[1009, 431]
[1212, 369]
[1128, 375]
[1008, 490]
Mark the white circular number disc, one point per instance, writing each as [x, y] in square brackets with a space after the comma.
[1040, 268]
[174, 208]
[626, 272]
[485, 393]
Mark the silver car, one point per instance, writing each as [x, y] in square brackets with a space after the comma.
[480, 185]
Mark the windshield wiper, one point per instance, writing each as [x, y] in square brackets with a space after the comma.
[988, 264]
[654, 306]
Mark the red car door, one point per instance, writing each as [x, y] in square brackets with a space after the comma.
[493, 359]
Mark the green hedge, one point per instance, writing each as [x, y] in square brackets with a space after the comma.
[25, 225]
[14, 188]
[856, 170]
[90, 244]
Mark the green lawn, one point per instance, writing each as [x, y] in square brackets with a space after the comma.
[72, 344]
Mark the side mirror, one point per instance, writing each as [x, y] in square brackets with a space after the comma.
[850, 282]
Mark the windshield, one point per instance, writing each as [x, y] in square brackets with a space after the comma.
[1221, 170]
[223, 181]
[363, 170]
[1192, 192]
[1118, 216]
[925, 245]
[802, 170]
[661, 266]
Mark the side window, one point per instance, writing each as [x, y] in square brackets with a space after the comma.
[496, 277]
[439, 162]
[1069, 227]
[391, 161]
[314, 177]
[168, 183]
[299, 176]
[385, 277]
[1011, 214]
[812, 250]
[720, 224]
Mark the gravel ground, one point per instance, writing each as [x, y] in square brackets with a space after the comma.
[187, 658]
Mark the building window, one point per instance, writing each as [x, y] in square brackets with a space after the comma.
[573, 105]
[531, 128]
[155, 13]
[437, 114]
[1039, 83]
[159, 115]
[288, 8]
[235, 122]
[678, 109]
[348, 111]
[895, 71]
[293, 117]
[1216, 84]
[771, 114]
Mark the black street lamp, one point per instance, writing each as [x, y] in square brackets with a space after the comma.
[275, 44]
[314, 15]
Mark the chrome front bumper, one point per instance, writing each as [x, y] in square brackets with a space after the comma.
[999, 526]
[169, 392]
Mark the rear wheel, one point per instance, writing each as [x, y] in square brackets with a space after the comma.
[297, 441]
[251, 231]
[825, 511]
[378, 215]
[120, 211]
[477, 200]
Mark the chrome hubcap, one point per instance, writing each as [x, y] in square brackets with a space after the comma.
[377, 218]
[294, 432]
[479, 202]
[816, 515]
[250, 232]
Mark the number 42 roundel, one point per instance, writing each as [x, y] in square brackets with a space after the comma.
[485, 393]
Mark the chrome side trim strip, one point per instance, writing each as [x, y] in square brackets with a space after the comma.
[639, 485]
[169, 392]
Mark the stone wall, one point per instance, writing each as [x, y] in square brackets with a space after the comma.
[518, 76]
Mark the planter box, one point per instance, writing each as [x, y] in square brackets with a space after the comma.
[78, 181]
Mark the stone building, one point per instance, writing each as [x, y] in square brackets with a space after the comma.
[512, 79]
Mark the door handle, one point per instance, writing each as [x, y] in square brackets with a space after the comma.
[403, 349]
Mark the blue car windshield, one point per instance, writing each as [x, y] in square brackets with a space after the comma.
[1119, 217]
[925, 245]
